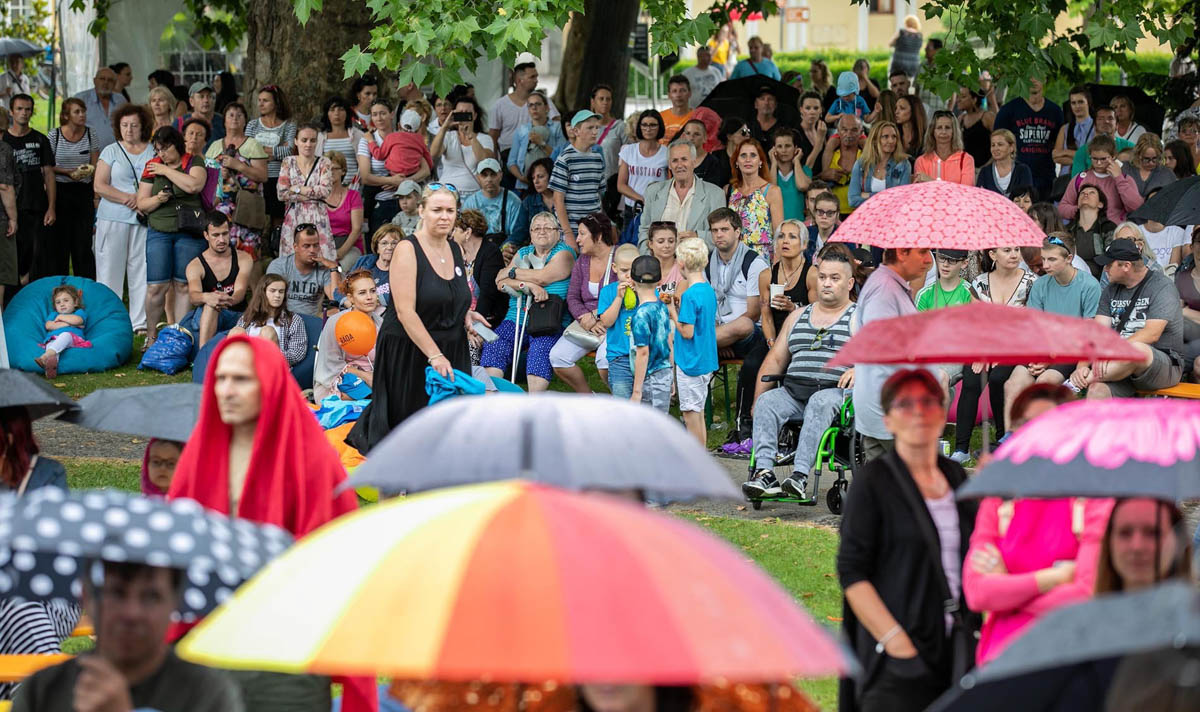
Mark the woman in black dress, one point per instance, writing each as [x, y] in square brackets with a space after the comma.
[425, 321]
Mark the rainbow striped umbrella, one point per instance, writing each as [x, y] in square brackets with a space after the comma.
[517, 582]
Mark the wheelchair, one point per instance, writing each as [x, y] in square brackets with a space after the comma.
[839, 453]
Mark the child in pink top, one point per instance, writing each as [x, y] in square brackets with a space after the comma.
[402, 151]
[1028, 557]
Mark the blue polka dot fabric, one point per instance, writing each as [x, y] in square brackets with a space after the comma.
[49, 539]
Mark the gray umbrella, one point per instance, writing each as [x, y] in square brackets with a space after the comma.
[38, 397]
[1069, 656]
[567, 440]
[22, 48]
[168, 411]
[48, 535]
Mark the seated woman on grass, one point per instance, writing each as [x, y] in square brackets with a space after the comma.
[268, 317]
[336, 372]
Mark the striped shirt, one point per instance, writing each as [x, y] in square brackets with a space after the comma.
[377, 167]
[811, 348]
[72, 155]
[580, 178]
[277, 141]
[345, 147]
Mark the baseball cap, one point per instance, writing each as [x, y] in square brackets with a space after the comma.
[1121, 249]
[764, 90]
[410, 120]
[487, 164]
[952, 254]
[646, 270]
[847, 84]
[198, 87]
[583, 115]
[408, 187]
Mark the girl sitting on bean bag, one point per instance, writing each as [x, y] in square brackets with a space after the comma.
[64, 327]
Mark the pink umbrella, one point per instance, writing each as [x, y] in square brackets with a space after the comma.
[939, 214]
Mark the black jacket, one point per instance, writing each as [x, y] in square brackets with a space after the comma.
[1021, 178]
[891, 541]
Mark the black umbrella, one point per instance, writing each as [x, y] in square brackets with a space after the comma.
[1146, 111]
[735, 97]
[1176, 204]
[1067, 659]
[38, 397]
[47, 537]
[167, 412]
[10, 46]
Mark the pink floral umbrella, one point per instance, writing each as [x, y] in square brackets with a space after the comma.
[939, 214]
[1123, 447]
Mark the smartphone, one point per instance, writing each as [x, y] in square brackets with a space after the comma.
[484, 332]
[462, 116]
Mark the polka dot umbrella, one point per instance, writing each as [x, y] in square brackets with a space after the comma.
[939, 214]
[49, 535]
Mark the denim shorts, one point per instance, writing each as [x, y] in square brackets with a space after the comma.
[168, 255]
[620, 377]
[226, 319]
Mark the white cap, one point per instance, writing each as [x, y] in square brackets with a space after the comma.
[410, 120]
[486, 164]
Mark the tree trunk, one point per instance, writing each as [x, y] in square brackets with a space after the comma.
[597, 51]
[304, 60]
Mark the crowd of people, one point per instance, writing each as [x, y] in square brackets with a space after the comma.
[514, 242]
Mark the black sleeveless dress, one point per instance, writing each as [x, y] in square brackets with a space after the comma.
[399, 365]
[798, 294]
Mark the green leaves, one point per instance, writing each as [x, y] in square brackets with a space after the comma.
[305, 8]
[356, 61]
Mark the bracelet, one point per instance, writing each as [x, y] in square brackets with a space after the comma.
[896, 629]
[439, 355]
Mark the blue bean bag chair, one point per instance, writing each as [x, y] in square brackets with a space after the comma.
[108, 327]
[302, 372]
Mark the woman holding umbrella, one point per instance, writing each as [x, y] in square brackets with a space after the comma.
[901, 556]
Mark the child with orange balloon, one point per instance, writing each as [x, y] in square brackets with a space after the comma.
[346, 350]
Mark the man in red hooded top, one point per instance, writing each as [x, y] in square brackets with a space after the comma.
[257, 452]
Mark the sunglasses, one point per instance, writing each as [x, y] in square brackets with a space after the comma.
[825, 213]
[662, 224]
[306, 227]
[911, 405]
[745, 131]
[442, 186]
[818, 339]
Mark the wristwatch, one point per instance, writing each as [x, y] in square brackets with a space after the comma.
[512, 273]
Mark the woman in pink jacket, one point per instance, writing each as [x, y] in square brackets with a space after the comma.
[1030, 556]
[944, 157]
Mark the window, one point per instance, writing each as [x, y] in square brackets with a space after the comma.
[883, 6]
[19, 8]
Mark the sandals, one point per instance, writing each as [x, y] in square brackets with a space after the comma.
[49, 363]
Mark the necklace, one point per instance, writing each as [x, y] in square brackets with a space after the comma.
[787, 276]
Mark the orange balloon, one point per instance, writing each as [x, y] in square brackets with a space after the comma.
[355, 333]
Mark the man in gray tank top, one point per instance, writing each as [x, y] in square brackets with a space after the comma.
[809, 338]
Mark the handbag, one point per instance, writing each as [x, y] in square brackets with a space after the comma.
[250, 209]
[545, 317]
[189, 220]
[581, 337]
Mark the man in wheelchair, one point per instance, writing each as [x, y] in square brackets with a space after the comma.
[807, 341]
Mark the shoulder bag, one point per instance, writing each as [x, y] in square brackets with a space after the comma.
[189, 220]
[250, 207]
[575, 333]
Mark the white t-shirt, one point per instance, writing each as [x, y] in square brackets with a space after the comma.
[737, 288]
[1162, 243]
[643, 170]
[507, 116]
[458, 162]
[703, 81]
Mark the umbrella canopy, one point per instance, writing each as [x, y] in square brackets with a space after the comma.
[1122, 447]
[20, 47]
[939, 214]
[1075, 648]
[982, 331]
[735, 98]
[1146, 111]
[1176, 204]
[167, 412]
[38, 397]
[47, 535]
[517, 582]
[556, 438]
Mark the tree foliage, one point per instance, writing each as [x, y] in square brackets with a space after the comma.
[31, 26]
[1018, 40]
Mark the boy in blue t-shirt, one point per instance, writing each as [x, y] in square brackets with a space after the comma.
[651, 333]
[695, 318]
[617, 317]
[849, 101]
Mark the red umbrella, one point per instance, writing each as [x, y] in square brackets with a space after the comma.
[982, 331]
[939, 214]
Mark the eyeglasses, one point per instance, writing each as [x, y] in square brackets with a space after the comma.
[825, 213]
[951, 260]
[912, 405]
[543, 228]
[818, 339]
[649, 124]
[442, 186]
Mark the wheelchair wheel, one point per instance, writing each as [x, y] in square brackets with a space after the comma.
[756, 503]
[836, 495]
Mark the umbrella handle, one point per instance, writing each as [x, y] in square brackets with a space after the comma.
[983, 382]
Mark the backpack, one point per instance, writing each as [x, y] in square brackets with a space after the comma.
[747, 260]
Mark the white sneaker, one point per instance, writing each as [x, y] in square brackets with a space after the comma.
[960, 457]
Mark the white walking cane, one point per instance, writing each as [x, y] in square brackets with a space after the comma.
[522, 322]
